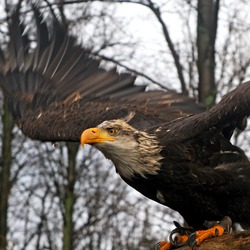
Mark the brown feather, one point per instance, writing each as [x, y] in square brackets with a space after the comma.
[42, 83]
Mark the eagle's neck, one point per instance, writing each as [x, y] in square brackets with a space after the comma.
[140, 155]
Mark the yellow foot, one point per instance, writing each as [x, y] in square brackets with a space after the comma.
[198, 237]
[182, 236]
[201, 235]
[163, 245]
[180, 240]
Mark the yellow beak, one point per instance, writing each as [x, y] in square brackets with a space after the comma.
[95, 135]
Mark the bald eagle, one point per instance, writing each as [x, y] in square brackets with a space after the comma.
[163, 144]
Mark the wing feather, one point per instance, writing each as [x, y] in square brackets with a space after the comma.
[230, 113]
[57, 89]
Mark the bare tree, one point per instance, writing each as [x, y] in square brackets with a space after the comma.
[7, 125]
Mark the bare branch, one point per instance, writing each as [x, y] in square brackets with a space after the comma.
[136, 72]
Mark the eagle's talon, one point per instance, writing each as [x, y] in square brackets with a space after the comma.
[178, 238]
[193, 246]
[163, 245]
[181, 239]
[196, 238]
[173, 232]
[181, 231]
[157, 246]
[226, 223]
[192, 240]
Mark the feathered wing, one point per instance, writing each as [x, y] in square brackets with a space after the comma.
[58, 89]
[230, 113]
[51, 84]
[203, 140]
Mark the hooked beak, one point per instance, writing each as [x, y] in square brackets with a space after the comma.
[94, 135]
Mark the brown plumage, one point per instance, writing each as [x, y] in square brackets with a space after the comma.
[163, 144]
[61, 85]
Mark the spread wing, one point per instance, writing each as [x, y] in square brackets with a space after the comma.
[230, 113]
[57, 89]
[204, 139]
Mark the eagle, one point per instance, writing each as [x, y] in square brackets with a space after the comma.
[162, 143]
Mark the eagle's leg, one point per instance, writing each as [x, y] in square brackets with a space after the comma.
[224, 226]
[178, 237]
[180, 240]
[182, 236]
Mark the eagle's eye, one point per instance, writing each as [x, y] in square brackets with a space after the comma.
[113, 131]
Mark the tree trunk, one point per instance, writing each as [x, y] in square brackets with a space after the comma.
[5, 174]
[69, 200]
[206, 35]
[235, 241]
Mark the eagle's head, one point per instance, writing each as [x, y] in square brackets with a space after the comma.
[133, 152]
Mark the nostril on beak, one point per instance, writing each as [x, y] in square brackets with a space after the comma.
[93, 131]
